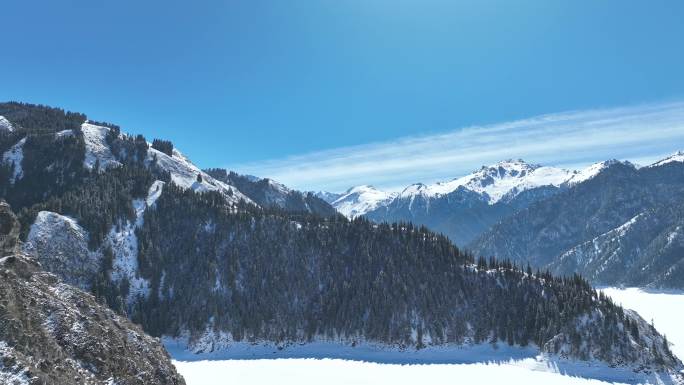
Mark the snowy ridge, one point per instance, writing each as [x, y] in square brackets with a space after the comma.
[360, 200]
[676, 157]
[15, 155]
[500, 179]
[97, 150]
[5, 124]
[184, 174]
[593, 170]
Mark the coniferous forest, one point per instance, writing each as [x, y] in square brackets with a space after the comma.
[281, 274]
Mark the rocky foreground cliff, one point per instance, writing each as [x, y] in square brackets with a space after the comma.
[53, 333]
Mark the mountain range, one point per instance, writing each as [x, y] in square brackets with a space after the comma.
[213, 258]
[523, 212]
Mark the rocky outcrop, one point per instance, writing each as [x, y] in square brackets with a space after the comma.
[53, 333]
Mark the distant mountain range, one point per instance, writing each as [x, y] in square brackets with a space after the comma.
[514, 210]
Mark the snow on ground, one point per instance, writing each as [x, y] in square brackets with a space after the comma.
[15, 155]
[124, 245]
[342, 372]
[62, 245]
[5, 124]
[665, 308]
[97, 148]
[184, 174]
[332, 364]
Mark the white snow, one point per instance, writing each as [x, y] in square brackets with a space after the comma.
[481, 364]
[676, 157]
[97, 148]
[62, 245]
[124, 244]
[665, 308]
[5, 124]
[15, 155]
[184, 174]
[503, 178]
[328, 363]
[64, 134]
[360, 200]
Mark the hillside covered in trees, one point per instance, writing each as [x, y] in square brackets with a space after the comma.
[184, 252]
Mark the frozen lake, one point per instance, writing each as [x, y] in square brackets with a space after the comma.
[509, 366]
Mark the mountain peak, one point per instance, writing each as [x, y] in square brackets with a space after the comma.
[359, 200]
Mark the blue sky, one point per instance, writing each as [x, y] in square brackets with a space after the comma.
[254, 84]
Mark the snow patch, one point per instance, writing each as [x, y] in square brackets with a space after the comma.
[97, 148]
[5, 124]
[15, 155]
[124, 244]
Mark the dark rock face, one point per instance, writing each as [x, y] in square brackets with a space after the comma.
[53, 333]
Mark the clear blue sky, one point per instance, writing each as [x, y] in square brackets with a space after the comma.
[237, 82]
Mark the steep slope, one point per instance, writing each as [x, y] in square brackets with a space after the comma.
[269, 193]
[618, 226]
[53, 333]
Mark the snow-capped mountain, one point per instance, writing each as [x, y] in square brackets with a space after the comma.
[463, 207]
[503, 180]
[615, 224]
[360, 200]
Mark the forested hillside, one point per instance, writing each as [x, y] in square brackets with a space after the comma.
[186, 252]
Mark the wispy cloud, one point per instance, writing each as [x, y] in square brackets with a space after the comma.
[571, 139]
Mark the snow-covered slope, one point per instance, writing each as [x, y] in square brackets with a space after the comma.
[184, 174]
[593, 170]
[96, 146]
[676, 157]
[62, 245]
[360, 200]
[5, 124]
[14, 156]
